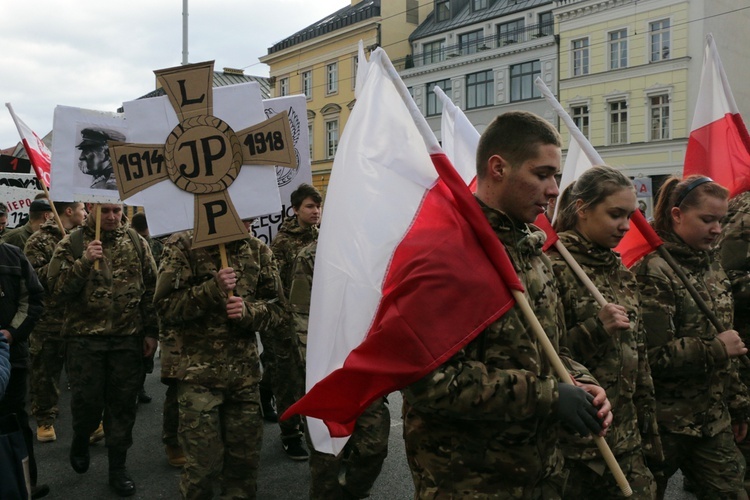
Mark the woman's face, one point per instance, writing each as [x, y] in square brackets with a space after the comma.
[606, 223]
[700, 225]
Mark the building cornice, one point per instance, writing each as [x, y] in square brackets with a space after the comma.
[582, 8]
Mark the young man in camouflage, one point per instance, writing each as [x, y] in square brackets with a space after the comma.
[39, 212]
[47, 345]
[288, 376]
[110, 325]
[352, 473]
[215, 312]
[485, 424]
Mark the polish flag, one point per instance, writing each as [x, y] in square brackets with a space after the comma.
[719, 145]
[39, 156]
[407, 271]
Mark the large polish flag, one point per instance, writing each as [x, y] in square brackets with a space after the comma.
[719, 145]
[39, 155]
[407, 271]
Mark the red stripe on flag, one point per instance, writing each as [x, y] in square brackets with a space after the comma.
[640, 241]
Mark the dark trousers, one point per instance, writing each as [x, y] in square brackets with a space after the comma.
[14, 401]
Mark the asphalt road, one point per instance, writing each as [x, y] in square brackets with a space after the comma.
[279, 477]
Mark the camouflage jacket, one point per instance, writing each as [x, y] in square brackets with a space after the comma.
[217, 351]
[39, 249]
[492, 406]
[697, 385]
[287, 243]
[299, 295]
[618, 361]
[116, 299]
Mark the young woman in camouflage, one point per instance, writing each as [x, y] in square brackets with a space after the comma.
[594, 215]
[702, 405]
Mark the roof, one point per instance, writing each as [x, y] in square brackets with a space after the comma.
[466, 17]
[342, 18]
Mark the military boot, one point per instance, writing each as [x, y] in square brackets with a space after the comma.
[79, 453]
[119, 479]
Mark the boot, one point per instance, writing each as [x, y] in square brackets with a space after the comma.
[119, 479]
[175, 455]
[79, 454]
[267, 407]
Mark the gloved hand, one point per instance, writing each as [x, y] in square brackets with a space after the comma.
[576, 411]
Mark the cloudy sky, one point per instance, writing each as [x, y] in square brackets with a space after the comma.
[96, 54]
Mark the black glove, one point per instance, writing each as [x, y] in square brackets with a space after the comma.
[576, 411]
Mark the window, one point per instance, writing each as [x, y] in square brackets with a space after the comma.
[479, 5]
[618, 122]
[332, 78]
[434, 105]
[310, 138]
[332, 138]
[546, 24]
[307, 84]
[522, 80]
[510, 32]
[659, 38]
[479, 90]
[355, 69]
[412, 11]
[581, 57]
[659, 117]
[580, 115]
[433, 52]
[442, 10]
[468, 42]
[618, 49]
[283, 86]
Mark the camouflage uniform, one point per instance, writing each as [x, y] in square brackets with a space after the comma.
[352, 473]
[170, 346]
[47, 346]
[698, 389]
[220, 427]
[484, 424]
[108, 312]
[19, 235]
[734, 250]
[620, 364]
[288, 375]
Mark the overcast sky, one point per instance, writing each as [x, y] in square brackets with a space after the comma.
[96, 54]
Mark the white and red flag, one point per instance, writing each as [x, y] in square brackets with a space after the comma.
[719, 145]
[39, 155]
[407, 271]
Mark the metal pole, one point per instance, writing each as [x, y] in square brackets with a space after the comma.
[184, 32]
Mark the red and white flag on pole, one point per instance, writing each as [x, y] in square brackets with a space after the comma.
[39, 156]
[719, 145]
[407, 271]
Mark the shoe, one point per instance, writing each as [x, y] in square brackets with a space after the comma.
[143, 397]
[97, 435]
[267, 406]
[175, 456]
[39, 491]
[294, 449]
[45, 434]
[121, 482]
[79, 454]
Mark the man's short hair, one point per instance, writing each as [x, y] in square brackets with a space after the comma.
[303, 192]
[138, 222]
[516, 136]
[62, 206]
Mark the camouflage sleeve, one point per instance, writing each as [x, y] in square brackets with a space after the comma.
[670, 355]
[737, 394]
[299, 296]
[644, 399]
[66, 275]
[267, 309]
[734, 251]
[148, 311]
[39, 250]
[283, 253]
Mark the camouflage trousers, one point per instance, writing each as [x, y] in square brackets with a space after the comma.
[714, 465]
[289, 379]
[105, 376]
[352, 473]
[220, 432]
[47, 361]
[744, 447]
[170, 415]
[584, 483]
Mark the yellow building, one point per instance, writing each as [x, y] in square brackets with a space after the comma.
[320, 61]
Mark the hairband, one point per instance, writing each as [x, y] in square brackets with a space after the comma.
[694, 184]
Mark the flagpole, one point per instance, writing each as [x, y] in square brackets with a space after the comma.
[433, 147]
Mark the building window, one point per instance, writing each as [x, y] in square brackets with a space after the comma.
[580, 115]
[442, 10]
[510, 32]
[522, 80]
[479, 90]
[618, 122]
[310, 138]
[659, 38]
[546, 24]
[659, 117]
[581, 57]
[434, 105]
[433, 52]
[469, 42]
[618, 49]
[332, 138]
[479, 5]
[412, 11]
[332, 78]
[283, 86]
[307, 84]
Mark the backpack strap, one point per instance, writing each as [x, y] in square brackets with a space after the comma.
[76, 243]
